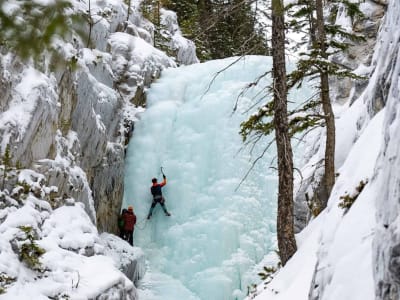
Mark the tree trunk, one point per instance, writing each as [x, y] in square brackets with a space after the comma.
[129, 10]
[285, 231]
[326, 105]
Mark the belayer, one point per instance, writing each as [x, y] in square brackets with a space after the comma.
[157, 196]
[121, 224]
[129, 221]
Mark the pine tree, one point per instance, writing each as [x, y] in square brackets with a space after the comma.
[7, 163]
[285, 230]
[219, 28]
[315, 62]
[28, 29]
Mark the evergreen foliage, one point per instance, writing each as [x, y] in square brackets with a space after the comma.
[151, 11]
[315, 60]
[300, 120]
[218, 28]
[7, 157]
[7, 163]
[267, 274]
[5, 281]
[27, 27]
[326, 39]
[348, 200]
[30, 252]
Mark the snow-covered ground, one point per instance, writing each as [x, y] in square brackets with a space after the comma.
[74, 262]
[342, 241]
[62, 127]
[351, 254]
[217, 238]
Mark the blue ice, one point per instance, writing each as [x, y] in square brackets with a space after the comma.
[217, 233]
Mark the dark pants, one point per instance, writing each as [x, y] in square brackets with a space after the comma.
[128, 236]
[160, 200]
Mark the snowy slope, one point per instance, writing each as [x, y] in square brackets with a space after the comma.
[352, 255]
[75, 261]
[66, 130]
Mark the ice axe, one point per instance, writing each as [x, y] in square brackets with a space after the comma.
[162, 172]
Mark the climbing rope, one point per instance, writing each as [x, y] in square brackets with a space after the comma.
[140, 223]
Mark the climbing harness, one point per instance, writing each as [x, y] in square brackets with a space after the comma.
[141, 225]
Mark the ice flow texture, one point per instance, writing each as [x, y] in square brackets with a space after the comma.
[216, 235]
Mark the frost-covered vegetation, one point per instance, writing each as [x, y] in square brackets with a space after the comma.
[72, 79]
[70, 97]
[348, 251]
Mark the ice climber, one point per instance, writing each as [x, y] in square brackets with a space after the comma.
[129, 225]
[157, 196]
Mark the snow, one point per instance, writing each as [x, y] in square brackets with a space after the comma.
[124, 42]
[338, 246]
[73, 263]
[23, 104]
[186, 49]
[217, 238]
[78, 262]
[215, 234]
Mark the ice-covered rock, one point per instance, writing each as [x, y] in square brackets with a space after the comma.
[354, 253]
[360, 58]
[71, 124]
[387, 232]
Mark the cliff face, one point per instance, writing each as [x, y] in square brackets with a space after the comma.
[360, 57]
[363, 245]
[63, 135]
[387, 83]
[351, 251]
[73, 125]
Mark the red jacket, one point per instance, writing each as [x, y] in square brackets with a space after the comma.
[164, 182]
[129, 220]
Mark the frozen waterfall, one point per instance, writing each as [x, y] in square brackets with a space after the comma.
[217, 234]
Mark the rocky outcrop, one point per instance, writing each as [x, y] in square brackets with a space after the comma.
[131, 261]
[118, 292]
[39, 243]
[387, 236]
[382, 90]
[360, 58]
[73, 124]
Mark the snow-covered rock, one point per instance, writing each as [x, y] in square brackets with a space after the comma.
[48, 253]
[184, 49]
[387, 232]
[67, 127]
[130, 260]
[343, 92]
[354, 254]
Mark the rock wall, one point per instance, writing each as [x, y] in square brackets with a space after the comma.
[63, 135]
[343, 92]
[382, 66]
[73, 124]
[387, 235]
